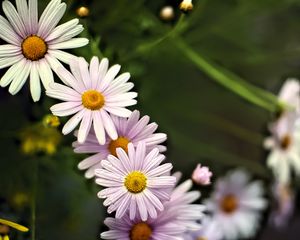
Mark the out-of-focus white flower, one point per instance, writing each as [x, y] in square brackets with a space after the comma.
[202, 175]
[285, 140]
[285, 204]
[236, 205]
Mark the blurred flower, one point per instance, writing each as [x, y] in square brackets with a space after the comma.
[5, 226]
[167, 13]
[201, 175]
[236, 204]
[92, 93]
[39, 139]
[285, 204]
[135, 181]
[130, 129]
[285, 140]
[186, 6]
[51, 121]
[209, 231]
[33, 45]
[83, 12]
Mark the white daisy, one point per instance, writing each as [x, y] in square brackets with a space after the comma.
[92, 94]
[132, 129]
[236, 205]
[33, 46]
[135, 182]
[285, 140]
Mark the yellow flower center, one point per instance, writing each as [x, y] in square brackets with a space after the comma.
[285, 141]
[92, 100]
[135, 182]
[229, 204]
[120, 142]
[140, 231]
[34, 48]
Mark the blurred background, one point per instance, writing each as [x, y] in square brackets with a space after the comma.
[258, 40]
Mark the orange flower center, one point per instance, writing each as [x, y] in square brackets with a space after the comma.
[229, 204]
[285, 141]
[92, 100]
[140, 231]
[34, 48]
[120, 142]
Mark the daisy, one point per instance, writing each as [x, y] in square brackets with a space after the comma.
[93, 94]
[137, 229]
[34, 46]
[130, 130]
[135, 182]
[285, 152]
[285, 139]
[236, 204]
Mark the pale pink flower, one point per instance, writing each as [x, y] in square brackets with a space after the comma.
[135, 182]
[34, 45]
[130, 130]
[202, 175]
[93, 94]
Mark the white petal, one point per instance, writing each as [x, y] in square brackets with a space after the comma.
[94, 71]
[45, 73]
[35, 84]
[68, 35]
[9, 50]
[98, 127]
[118, 111]
[20, 79]
[62, 29]
[84, 71]
[11, 73]
[85, 126]
[72, 43]
[8, 61]
[61, 55]
[33, 16]
[103, 67]
[73, 122]
[14, 18]
[8, 34]
[24, 14]
[109, 125]
[110, 75]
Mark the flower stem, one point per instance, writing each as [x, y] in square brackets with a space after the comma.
[229, 80]
[34, 196]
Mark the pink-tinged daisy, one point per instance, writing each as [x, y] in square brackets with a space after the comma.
[285, 140]
[236, 205]
[209, 231]
[135, 181]
[93, 94]
[201, 175]
[34, 46]
[130, 130]
[137, 229]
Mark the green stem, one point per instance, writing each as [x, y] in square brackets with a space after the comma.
[34, 196]
[245, 90]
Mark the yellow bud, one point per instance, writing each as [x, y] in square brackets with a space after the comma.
[186, 6]
[83, 12]
[51, 121]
